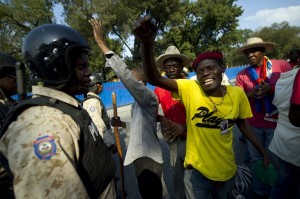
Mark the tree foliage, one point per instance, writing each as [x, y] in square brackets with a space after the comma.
[284, 36]
[192, 26]
[17, 18]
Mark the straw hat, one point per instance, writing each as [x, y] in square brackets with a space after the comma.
[255, 42]
[172, 52]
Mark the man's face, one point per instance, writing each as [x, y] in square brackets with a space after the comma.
[209, 74]
[255, 56]
[173, 69]
[82, 73]
[99, 88]
[9, 83]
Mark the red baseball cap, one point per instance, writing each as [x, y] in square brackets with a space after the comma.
[207, 55]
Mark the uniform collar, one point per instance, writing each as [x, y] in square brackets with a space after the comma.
[49, 92]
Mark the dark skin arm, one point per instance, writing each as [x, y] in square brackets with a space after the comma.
[294, 114]
[145, 31]
[245, 129]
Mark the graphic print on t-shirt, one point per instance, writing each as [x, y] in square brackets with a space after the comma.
[210, 119]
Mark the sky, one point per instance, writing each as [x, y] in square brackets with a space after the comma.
[261, 13]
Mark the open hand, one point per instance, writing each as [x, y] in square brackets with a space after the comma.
[97, 30]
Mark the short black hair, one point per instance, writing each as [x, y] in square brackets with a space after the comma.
[294, 55]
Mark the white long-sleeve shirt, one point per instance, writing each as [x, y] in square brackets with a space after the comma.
[143, 135]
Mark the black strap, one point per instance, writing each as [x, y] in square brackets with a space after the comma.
[89, 97]
[94, 177]
[37, 101]
[3, 110]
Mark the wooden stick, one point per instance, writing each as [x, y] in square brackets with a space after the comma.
[118, 143]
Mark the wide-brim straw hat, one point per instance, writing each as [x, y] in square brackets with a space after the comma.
[172, 52]
[255, 42]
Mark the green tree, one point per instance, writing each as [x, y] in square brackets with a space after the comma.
[192, 26]
[117, 19]
[17, 18]
[285, 37]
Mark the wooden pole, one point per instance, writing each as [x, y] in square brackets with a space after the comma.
[118, 143]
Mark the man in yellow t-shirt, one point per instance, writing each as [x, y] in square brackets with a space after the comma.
[210, 148]
[211, 111]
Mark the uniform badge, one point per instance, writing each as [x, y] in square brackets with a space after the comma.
[92, 109]
[44, 147]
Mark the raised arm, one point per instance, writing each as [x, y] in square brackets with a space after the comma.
[98, 35]
[145, 31]
[133, 84]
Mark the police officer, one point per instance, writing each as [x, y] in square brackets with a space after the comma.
[8, 81]
[53, 153]
[94, 106]
[8, 87]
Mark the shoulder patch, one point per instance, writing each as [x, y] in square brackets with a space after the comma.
[92, 109]
[44, 147]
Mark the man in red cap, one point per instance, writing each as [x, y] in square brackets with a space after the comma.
[258, 82]
[211, 111]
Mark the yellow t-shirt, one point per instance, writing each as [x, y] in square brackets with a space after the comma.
[207, 149]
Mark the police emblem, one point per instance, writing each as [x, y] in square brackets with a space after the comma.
[44, 147]
[92, 109]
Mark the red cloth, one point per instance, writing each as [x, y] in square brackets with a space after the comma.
[295, 99]
[207, 55]
[263, 73]
[173, 109]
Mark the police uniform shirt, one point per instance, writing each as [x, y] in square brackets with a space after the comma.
[95, 110]
[42, 149]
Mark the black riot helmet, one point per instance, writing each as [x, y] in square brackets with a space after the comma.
[96, 78]
[7, 64]
[6, 60]
[48, 49]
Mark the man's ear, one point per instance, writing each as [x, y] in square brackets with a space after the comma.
[223, 68]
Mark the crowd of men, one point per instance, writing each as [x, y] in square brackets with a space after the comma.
[53, 146]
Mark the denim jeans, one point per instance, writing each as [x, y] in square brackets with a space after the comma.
[198, 186]
[264, 137]
[288, 181]
[177, 154]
